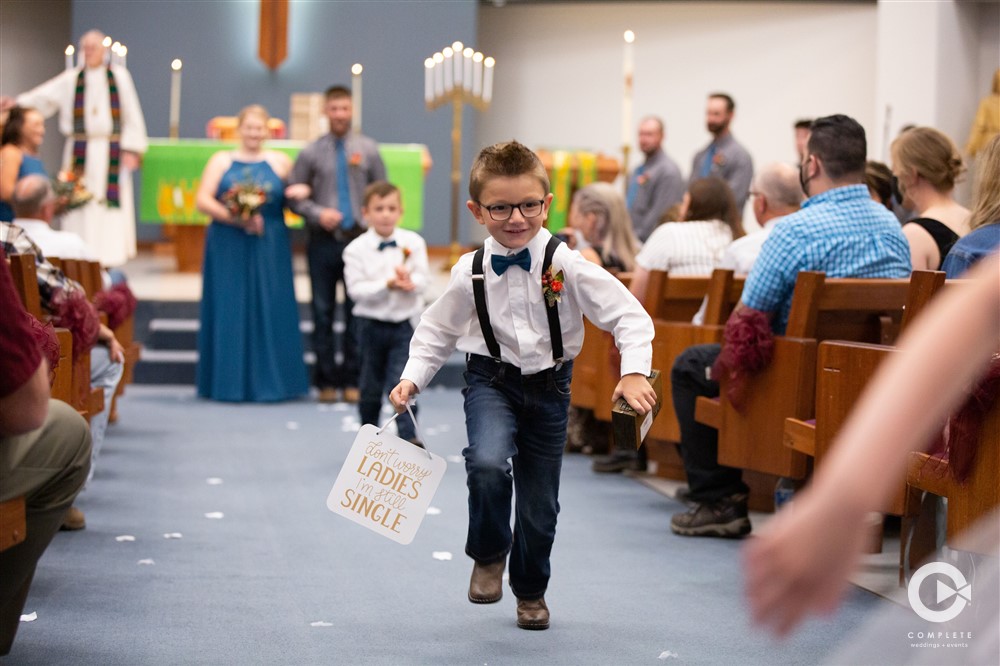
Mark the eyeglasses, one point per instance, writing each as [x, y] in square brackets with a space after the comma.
[502, 212]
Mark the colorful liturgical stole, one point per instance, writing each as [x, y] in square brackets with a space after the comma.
[114, 142]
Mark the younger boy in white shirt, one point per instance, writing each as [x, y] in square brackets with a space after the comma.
[385, 271]
[519, 344]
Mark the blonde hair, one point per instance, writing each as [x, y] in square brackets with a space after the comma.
[253, 110]
[987, 208]
[612, 222]
[931, 154]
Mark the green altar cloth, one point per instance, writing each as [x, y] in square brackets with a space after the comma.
[171, 173]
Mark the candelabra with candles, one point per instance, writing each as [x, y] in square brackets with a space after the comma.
[458, 75]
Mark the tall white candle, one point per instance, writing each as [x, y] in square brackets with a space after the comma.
[467, 68]
[123, 52]
[175, 97]
[116, 56]
[429, 80]
[106, 43]
[449, 71]
[438, 74]
[356, 70]
[69, 56]
[457, 61]
[477, 74]
[489, 64]
[628, 70]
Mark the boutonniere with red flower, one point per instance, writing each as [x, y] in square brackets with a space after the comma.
[552, 286]
[719, 160]
[406, 254]
[354, 160]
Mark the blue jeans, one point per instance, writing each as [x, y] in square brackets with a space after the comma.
[105, 375]
[517, 428]
[384, 347]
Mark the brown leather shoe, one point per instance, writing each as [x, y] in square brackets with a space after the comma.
[329, 395]
[352, 395]
[486, 586]
[532, 614]
[73, 521]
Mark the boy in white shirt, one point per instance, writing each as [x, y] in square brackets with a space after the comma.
[520, 326]
[385, 271]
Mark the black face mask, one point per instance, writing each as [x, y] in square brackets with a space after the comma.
[803, 181]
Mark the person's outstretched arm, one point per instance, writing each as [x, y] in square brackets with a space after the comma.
[800, 562]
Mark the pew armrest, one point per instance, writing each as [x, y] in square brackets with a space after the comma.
[929, 473]
[13, 523]
[800, 436]
[708, 411]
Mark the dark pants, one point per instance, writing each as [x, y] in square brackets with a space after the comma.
[384, 348]
[516, 427]
[326, 270]
[709, 481]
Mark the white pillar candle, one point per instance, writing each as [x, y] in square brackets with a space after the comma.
[69, 56]
[449, 69]
[467, 69]
[477, 74]
[356, 70]
[438, 75]
[457, 62]
[175, 97]
[429, 80]
[116, 56]
[106, 43]
[628, 69]
[488, 64]
[123, 52]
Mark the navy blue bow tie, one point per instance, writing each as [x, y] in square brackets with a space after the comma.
[501, 263]
[385, 244]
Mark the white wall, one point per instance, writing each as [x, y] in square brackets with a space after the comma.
[559, 71]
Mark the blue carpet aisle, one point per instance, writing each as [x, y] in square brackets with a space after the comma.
[248, 587]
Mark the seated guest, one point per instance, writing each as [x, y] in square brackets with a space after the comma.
[985, 218]
[44, 453]
[839, 231]
[694, 246]
[19, 143]
[878, 178]
[926, 164]
[107, 357]
[34, 205]
[598, 213]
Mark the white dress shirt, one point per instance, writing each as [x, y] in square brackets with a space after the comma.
[517, 312]
[367, 271]
[55, 243]
[685, 248]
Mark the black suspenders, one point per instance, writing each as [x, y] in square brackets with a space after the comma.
[479, 292]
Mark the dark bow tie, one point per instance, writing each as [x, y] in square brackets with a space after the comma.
[385, 244]
[501, 263]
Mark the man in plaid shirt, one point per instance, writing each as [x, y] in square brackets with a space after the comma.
[839, 231]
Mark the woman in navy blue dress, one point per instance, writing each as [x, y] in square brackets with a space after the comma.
[249, 345]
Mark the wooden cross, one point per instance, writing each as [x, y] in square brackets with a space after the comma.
[273, 39]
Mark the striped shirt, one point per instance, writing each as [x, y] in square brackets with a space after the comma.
[685, 248]
[15, 241]
[840, 232]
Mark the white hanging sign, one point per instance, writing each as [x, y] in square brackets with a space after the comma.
[386, 484]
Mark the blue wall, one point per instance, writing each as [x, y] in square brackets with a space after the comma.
[217, 40]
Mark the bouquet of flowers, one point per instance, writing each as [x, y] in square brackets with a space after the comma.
[244, 199]
[70, 191]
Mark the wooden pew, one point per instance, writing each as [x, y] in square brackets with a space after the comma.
[849, 309]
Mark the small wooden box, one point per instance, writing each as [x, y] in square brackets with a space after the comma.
[629, 427]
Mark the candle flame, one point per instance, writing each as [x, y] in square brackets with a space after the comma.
[70, 50]
[356, 69]
[448, 52]
[438, 58]
[176, 65]
[116, 47]
[467, 52]
[429, 63]
[478, 57]
[629, 36]
[457, 47]
[123, 50]
[489, 62]
[106, 42]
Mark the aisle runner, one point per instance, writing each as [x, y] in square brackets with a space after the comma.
[386, 484]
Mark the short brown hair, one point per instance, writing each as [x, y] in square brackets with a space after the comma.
[505, 160]
[712, 199]
[380, 188]
[337, 92]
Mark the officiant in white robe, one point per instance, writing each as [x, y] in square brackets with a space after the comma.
[105, 227]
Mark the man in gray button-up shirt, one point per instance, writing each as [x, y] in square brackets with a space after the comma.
[724, 157]
[656, 185]
[332, 224]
